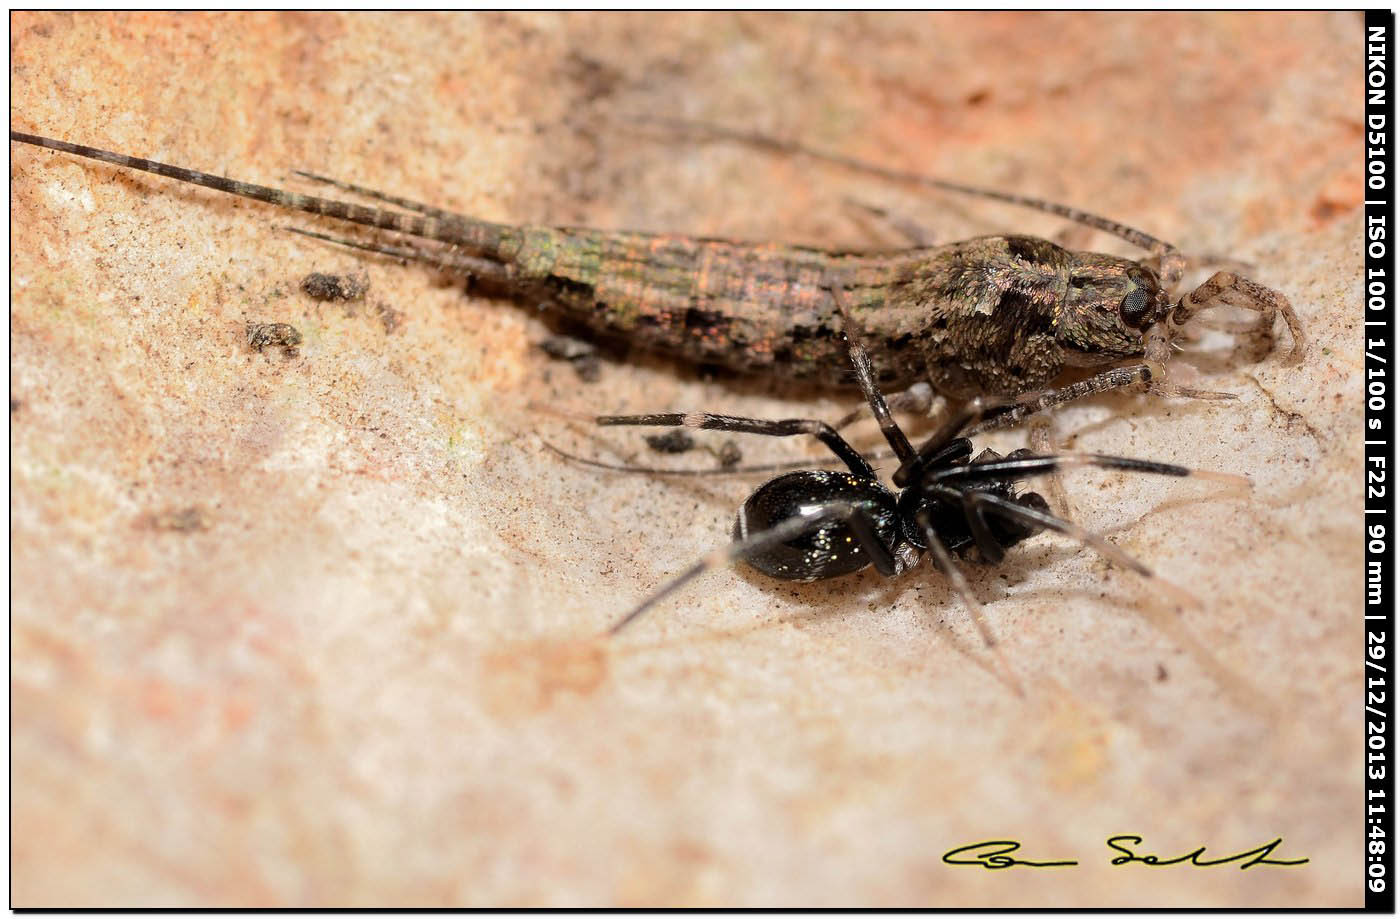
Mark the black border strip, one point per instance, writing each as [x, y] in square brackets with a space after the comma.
[1379, 822]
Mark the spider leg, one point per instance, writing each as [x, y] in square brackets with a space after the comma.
[865, 376]
[945, 445]
[1010, 510]
[1041, 439]
[1013, 468]
[943, 561]
[789, 529]
[863, 528]
[975, 515]
[763, 468]
[916, 400]
[785, 428]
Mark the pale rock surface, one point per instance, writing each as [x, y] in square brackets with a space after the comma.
[314, 630]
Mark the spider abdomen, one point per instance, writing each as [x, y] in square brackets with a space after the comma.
[827, 551]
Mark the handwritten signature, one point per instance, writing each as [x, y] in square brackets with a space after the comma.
[995, 854]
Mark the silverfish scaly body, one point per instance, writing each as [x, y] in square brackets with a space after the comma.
[996, 315]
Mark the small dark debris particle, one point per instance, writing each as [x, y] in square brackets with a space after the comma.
[1161, 674]
[181, 520]
[262, 334]
[589, 369]
[729, 454]
[564, 348]
[389, 317]
[1324, 210]
[327, 287]
[675, 440]
[582, 354]
[593, 78]
[14, 405]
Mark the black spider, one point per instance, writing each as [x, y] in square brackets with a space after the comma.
[813, 524]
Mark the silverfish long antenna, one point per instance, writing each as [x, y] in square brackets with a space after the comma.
[1133, 235]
